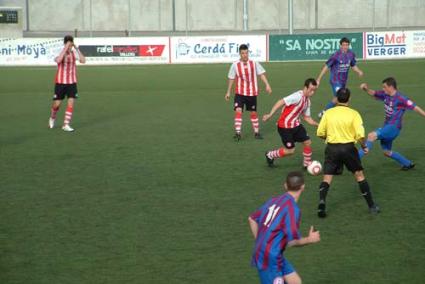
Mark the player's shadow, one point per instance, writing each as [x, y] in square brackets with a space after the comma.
[351, 199]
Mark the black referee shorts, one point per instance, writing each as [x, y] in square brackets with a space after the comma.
[338, 155]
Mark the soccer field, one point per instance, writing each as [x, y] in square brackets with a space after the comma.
[151, 187]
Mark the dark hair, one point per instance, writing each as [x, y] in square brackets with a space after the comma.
[243, 47]
[310, 81]
[343, 95]
[68, 38]
[390, 81]
[294, 181]
[344, 39]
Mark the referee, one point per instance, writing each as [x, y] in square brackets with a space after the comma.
[342, 127]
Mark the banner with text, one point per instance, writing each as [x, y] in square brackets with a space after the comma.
[387, 45]
[127, 50]
[311, 46]
[215, 49]
[98, 51]
[31, 51]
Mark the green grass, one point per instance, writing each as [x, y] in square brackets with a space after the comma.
[151, 188]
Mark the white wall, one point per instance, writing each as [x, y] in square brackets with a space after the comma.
[64, 15]
[208, 15]
[218, 15]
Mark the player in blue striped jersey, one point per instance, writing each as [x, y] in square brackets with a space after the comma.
[275, 226]
[395, 104]
[339, 64]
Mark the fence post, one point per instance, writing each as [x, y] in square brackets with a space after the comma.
[129, 18]
[290, 16]
[174, 15]
[91, 18]
[373, 16]
[245, 15]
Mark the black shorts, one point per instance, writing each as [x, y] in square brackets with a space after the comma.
[250, 102]
[291, 135]
[68, 90]
[338, 155]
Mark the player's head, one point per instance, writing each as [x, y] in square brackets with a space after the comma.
[68, 38]
[310, 86]
[389, 85]
[344, 43]
[294, 182]
[343, 95]
[244, 52]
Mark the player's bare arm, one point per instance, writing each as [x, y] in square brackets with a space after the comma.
[358, 71]
[419, 110]
[322, 73]
[81, 56]
[313, 237]
[364, 146]
[254, 227]
[365, 88]
[321, 129]
[278, 105]
[310, 120]
[266, 83]
[229, 89]
[61, 55]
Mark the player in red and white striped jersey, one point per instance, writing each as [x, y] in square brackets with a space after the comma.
[66, 81]
[244, 72]
[289, 127]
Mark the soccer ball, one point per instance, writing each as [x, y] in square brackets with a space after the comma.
[314, 168]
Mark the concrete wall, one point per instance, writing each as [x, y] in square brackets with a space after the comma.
[64, 15]
[360, 14]
[273, 14]
[208, 15]
[13, 30]
[16, 3]
[355, 14]
[218, 15]
[406, 13]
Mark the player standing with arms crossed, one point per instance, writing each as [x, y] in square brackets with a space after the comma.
[275, 226]
[244, 72]
[339, 64]
[66, 81]
[395, 104]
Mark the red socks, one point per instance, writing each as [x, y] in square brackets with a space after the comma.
[307, 155]
[254, 121]
[54, 111]
[278, 153]
[238, 122]
[68, 115]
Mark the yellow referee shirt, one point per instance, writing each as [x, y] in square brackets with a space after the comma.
[341, 124]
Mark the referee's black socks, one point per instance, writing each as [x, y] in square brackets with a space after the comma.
[323, 191]
[365, 190]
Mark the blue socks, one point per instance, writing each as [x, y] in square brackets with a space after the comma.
[400, 159]
[369, 145]
[394, 155]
